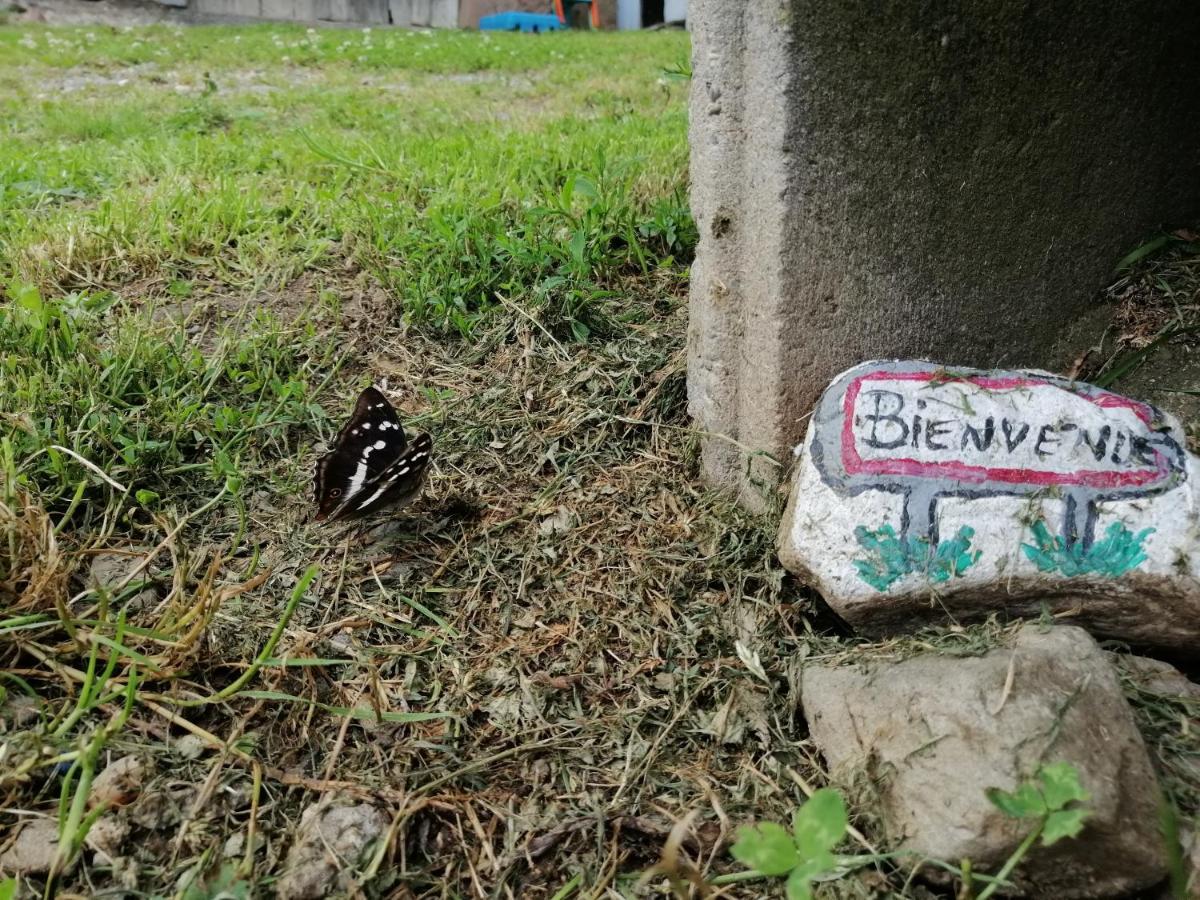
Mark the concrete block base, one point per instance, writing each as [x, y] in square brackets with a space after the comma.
[948, 180]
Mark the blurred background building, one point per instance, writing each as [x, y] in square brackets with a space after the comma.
[623, 14]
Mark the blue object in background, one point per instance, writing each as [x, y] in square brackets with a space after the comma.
[521, 21]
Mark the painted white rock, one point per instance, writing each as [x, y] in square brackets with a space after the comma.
[929, 494]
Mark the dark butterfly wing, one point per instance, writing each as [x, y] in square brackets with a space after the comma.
[367, 445]
[398, 484]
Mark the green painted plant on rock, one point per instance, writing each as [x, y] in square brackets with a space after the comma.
[1119, 551]
[890, 556]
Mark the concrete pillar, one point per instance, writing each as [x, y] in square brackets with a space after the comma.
[951, 179]
[400, 11]
[303, 10]
[231, 8]
[332, 10]
[367, 12]
[444, 14]
[278, 10]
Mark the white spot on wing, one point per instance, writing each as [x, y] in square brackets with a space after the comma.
[379, 445]
[366, 426]
[373, 497]
[359, 476]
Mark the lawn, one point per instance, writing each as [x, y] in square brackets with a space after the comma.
[210, 240]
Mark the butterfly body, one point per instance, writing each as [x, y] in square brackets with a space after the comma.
[372, 464]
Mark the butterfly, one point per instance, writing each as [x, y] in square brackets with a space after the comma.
[372, 464]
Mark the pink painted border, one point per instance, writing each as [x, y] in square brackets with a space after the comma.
[958, 471]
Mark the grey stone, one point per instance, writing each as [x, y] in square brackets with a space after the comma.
[109, 571]
[190, 746]
[234, 845]
[927, 494]
[33, 851]
[1157, 677]
[106, 838]
[161, 809]
[934, 732]
[19, 711]
[329, 839]
[119, 783]
[892, 179]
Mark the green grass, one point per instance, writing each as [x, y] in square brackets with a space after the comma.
[210, 240]
[142, 402]
[454, 168]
